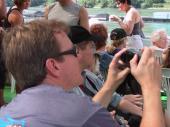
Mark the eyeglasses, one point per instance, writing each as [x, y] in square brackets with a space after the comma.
[74, 51]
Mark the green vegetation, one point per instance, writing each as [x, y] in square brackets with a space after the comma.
[111, 3]
[106, 3]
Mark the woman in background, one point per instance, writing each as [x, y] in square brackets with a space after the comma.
[15, 13]
[132, 23]
[100, 30]
[68, 12]
[118, 39]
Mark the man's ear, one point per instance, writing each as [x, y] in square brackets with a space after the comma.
[52, 67]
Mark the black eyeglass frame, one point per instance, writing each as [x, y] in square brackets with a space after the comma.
[73, 51]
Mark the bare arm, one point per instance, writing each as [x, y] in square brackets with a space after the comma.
[2, 9]
[141, 23]
[127, 106]
[148, 73]
[129, 21]
[84, 21]
[104, 96]
[15, 18]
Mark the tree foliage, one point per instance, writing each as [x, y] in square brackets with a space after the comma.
[102, 3]
[110, 3]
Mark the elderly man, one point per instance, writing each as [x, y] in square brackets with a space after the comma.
[159, 39]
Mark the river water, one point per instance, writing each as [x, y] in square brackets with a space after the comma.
[148, 28]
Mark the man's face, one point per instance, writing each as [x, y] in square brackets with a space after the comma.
[70, 72]
[86, 56]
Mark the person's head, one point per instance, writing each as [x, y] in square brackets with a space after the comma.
[166, 57]
[122, 4]
[24, 4]
[118, 39]
[100, 30]
[85, 43]
[159, 38]
[38, 52]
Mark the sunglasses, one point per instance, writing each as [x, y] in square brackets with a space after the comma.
[73, 51]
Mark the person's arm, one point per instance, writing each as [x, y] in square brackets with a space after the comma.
[15, 18]
[141, 23]
[126, 105]
[128, 22]
[84, 21]
[148, 73]
[46, 12]
[135, 99]
[114, 79]
[2, 9]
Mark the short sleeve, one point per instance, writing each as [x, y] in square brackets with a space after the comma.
[101, 118]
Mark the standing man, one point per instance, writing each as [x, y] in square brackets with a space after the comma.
[69, 12]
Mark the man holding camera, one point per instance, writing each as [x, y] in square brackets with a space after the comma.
[46, 66]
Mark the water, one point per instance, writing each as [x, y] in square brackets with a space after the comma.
[148, 28]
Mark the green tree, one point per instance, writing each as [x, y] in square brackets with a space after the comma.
[149, 3]
[87, 3]
[111, 3]
[158, 1]
[104, 3]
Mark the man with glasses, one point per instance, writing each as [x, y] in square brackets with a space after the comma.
[46, 67]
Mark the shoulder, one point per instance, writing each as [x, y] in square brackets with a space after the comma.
[133, 12]
[105, 57]
[90, 75]
[15, 18]
[15, 13]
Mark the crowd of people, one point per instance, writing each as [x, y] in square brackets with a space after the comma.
[70, 76]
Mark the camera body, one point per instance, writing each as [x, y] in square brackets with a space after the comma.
[128, 55]
[130, 84]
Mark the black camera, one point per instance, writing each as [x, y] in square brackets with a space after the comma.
[128, 55]
[130, 85]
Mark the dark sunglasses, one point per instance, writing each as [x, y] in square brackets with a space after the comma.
[73, 51]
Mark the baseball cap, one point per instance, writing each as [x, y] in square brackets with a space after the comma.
[117, 34]
[79, 34]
